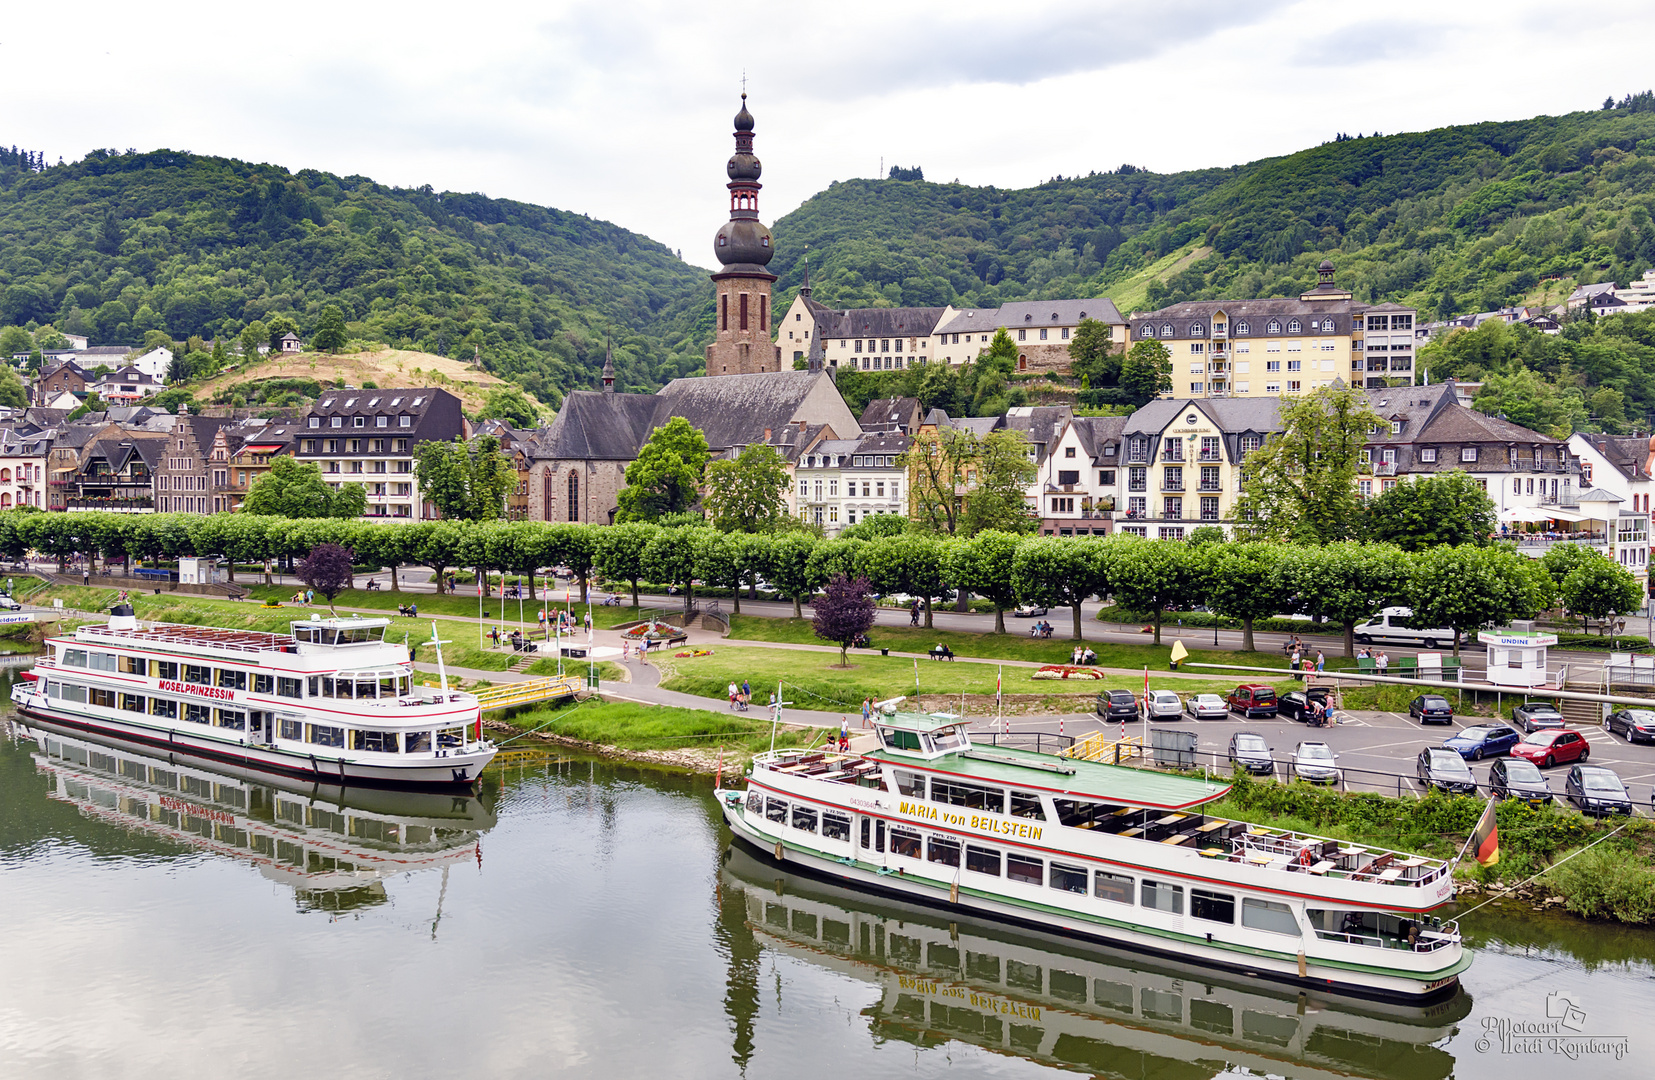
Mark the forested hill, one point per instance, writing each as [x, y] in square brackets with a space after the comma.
[1458, 219]
[119, 244]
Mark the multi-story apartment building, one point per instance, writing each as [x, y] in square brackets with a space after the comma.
[23, 467]
[115, 472]
[1182, 462]
[242, 453]
[1266, 348]
[1080, 480]
[183, 481]
[840, 482]
[368, 437]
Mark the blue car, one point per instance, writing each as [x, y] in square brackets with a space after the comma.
[1484, 740]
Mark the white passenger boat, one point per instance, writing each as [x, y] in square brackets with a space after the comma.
[1110, 853]
[332, 701]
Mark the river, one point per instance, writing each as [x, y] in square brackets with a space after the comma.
[586, 917]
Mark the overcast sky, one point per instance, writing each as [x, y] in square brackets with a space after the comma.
[621, 109]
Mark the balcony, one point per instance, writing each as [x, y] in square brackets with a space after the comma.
[1566, 500]
[1210, 455]
[1137, 485]
[1384, 468]
[1210, 485]
[1172, 485]
[1173, 458]
[117, 505]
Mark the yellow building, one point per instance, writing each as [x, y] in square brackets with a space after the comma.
[1181, 463]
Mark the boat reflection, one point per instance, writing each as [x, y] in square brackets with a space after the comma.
[334, 846]
[1075, 1005]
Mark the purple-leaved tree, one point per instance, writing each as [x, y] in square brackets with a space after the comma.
[844, 612]
[327, 569]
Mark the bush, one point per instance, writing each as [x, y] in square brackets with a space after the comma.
[1605, 883]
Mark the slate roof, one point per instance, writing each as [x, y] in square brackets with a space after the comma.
[1596, 289]
[1040, 424]
[899, 412]
[594, 426]
[1628, 453]
[1032, 313]
[884, 442]
[1256, 313]
[1096, 433]
[736, 410]
[876, 322]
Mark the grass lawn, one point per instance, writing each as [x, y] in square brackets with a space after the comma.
[812, 682]
[659, 727]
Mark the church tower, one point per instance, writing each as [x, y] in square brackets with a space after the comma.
[741, 344]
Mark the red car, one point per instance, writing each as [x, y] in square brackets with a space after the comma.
[1253, 699]
[1551, 747]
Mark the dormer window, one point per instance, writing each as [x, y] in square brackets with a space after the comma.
[1396, 427]
[1327, 326]
[1273, 328]
[1166, 329]
[1197, 330]
[1428, 454]
[1468, 453]
[336, 421]
[1146, 331]
[359, 421]
[1242, 327]
[1293, 327]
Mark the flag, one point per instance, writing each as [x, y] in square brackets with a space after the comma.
[1485, 840]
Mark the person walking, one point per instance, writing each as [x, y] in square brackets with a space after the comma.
[588, 622]
[844, 734]
[1381, 662]
[1321, 661]
[867, 710]
[746, 690]
[913, 613]
[310, 596]
[734, 690]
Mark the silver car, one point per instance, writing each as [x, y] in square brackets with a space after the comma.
[1314, 762]
[1163, 705]
[1206, 707]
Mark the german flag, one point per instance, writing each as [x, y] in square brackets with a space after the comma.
[1485, 841]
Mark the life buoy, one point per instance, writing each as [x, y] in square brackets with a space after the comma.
[1304, 856]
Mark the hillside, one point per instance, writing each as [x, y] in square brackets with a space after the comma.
[384, 368]
[119, 244]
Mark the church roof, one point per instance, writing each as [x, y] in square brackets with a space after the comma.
[736, 410]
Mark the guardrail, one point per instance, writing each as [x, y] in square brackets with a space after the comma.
[1098, 747]
[1019, 740]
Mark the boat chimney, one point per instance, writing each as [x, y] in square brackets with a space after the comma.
[121, 617]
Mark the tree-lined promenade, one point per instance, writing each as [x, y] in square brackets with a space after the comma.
[1463, 587]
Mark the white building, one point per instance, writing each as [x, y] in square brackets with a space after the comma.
[840, 482]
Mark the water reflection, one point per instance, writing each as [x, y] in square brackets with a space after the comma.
[333, 846]
[1059, 1003]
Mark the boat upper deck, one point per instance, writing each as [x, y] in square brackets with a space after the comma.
[211, 637]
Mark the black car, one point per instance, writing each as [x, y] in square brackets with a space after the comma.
[1597, 790]
[1296, 704]
[1431, 709]
[1249, 751]
[1515, 778]
[1638, 725]
[1117, 705]
[1442, 768]
[1536, 715]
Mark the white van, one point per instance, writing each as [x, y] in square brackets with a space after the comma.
[1395, 626]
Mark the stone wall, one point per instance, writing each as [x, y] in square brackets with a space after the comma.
[599, 490]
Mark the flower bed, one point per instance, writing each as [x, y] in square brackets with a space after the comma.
[1066, 671]
[687, 653]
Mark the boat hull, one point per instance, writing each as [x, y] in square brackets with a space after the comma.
[457, 771]
[1401, 987]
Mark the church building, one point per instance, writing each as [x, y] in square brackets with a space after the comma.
[741, 344]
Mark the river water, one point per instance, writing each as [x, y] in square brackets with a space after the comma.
[590, 918]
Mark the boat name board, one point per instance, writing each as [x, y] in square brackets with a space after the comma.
[980, 822]
[219, 692]
[985, 1002]
[172, 802]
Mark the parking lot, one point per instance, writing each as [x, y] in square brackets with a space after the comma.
[1376, 750]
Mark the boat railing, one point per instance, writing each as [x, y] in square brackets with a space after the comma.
[1427, 941]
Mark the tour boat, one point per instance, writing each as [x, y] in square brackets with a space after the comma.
[330, 702]
[1074, 1005]
[1111, 853]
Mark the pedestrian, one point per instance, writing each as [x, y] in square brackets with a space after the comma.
[588, 621]
[734, 690]
[626, 650]
[867, 710]
[913, 613]
[86, 576]
[844, 734]
[413, 611]
[1321, 661]
[1293, 661]
[310, 596]
[746, 689]
[1381, 662]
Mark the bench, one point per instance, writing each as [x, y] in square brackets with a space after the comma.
[1177, 838]
[1367, 665]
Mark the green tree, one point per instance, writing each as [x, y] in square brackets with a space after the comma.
[1301, 484]
[1600, 588]
[1468, 588]
[465, 481]
[982, 565]
[572, 546]
[876, 527]
[330, 330]
[438, 545]
[907, 563]
[788, 567]
[1243, 583]
[1092, 354]
[746, 494]
[512, 405]
[1430, 511]
[1004, 467]
[15, 341]
[278, 327]
[1154, 575]
[1346, 582]
[12, 393]
[670, 559]
[294, 489]
[1146, 372]
[620, 553]
[936, 462]
[665, 478]
[257, 334]
[1059, 572]
[1561, 560]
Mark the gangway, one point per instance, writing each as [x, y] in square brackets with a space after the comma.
[508, 695]
[1097, 747]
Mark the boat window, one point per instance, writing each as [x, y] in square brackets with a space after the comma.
[776, 810]
[314, 689]
[1027, 804]
[101, 661]
[982, 860]
[74, 657]
[133, 665]
[804, 817]
[418, 742]
[163, 707]
[382, 742]
[1212, 906]
[306, 634]
[163, 669]
[1067, 986]
[904, 841]
[970, 796]
[263, 684]
[195, 673]
[940, 849]
[982, 967]
[324, 735]
[1116, 888]
[133, 703]
[292, 729]
[234, 719]
[198, 714]
[835, 826]
[1024, 976]
[450, 738]
[106, 698]
[755, 802]
[911, 784]
[1163, 897]
[947, 739]
[1028, 871]
[896, 739]
[387, 686]
[1268, 915]
[231, 679]
[1069, 878]
[71, 692]
[1079, 813]
[403, 683]
[288, 688]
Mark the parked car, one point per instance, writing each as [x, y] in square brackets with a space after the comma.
[1314, 762]
[1295, 704]
[7, 603]
[1536, 716]
[1431, 709]
[1516, 778]
[1163, 705]
[1484, 740]
[1207, 707]
[1638, 725]
[1596, 790]
[1395, 626]
[1442, 768]
[1117, 705]
[1253, 699]
[1249, 751]
[1028, 611]
[1548, 748]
